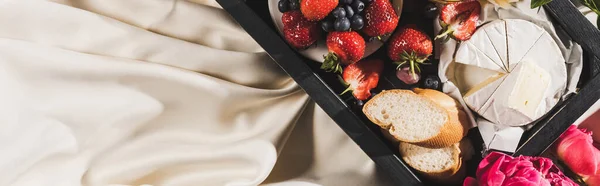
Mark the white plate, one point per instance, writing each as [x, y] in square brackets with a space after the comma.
[317, 53]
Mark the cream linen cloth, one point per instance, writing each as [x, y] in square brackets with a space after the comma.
[156, 92]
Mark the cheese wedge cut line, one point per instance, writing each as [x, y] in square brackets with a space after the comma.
[479, 50]
[477, 75]
[534, 72]
[494, 46]
[507, 46]
[528, 50]
[488, 103]
[541, 33]
[493, 93]
[483, 84]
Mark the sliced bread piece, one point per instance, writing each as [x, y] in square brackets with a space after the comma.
[444, 165]
[455, 109]
[414, 118]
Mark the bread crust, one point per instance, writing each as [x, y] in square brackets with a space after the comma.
[450, 133]
[442, 175]
[455, 174]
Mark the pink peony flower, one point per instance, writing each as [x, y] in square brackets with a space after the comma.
[498, 169]
[576, 149]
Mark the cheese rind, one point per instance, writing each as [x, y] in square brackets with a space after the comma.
[476, 76]
[497, 110]
[468, 54]
[482, 41]
[496, 34]
[481, 93]
[521, 37]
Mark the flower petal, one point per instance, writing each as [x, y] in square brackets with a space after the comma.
[593, 180]
[470, 181]
[488, 172]
[575, 148]
[520, 181]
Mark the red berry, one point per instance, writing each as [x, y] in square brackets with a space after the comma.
[459, 19]
[362, 76]
[380, 18]
[410, 47]
[298, 31]
[316, 10]
[344, 47]
[409, 39]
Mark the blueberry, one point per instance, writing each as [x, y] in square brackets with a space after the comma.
[358, 5]
[342, 24]
[346, 2]
[294, 5]
[349, 11]
[357, 22]
[430, 11]
[432, 82]
[326, 25]
[283, 5]
[339, 12]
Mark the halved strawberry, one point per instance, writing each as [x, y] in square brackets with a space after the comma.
[362, 76]
[459, 20]
[344, 48]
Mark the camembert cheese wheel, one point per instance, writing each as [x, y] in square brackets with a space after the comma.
[519, 70]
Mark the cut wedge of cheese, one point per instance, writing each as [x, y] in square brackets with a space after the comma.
[476, 76]
[521, 72]
[521, 97]
[481, 93]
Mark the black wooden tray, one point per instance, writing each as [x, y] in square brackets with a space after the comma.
[323, 88]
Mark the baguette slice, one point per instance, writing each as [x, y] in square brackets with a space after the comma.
[414, 118]
[455, 109]
[443, 165]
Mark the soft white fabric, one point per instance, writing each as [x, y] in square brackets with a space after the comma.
[156, 92]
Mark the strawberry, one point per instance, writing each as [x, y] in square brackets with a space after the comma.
[410, 46]
[298, 31]
[362, 76]
[291, 18]
[459, 20]
[344, 47]
[315, 10]
[380, 19]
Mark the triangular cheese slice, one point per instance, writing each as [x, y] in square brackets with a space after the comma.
[466, 77]
[470, 55]
[518, 45]
[515, 102]
[496, 33]
[480, 94]
[483, 43]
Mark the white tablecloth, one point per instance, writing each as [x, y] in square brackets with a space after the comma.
[156, 92]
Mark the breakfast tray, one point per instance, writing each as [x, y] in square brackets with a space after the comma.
[324, 88]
